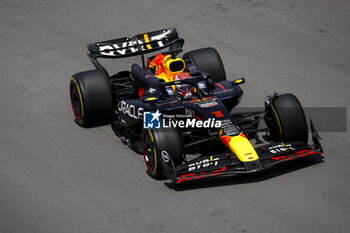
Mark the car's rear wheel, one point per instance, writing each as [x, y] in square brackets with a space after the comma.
[156, 144]
[286, 119]
[207, 60]
[91, 97]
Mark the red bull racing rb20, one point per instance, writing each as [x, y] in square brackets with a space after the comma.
[179, 111]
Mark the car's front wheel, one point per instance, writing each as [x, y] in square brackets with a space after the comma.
[161, 144]
[286, 119]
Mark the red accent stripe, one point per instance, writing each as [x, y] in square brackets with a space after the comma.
[310, 153]
[220, 170]
[189, 174]
[204, 174]
[190, 178]
[301, 151]
[278, 157]
[141, 91]
[314, 153]
[222, 87]
[186, 175]
[216, 174]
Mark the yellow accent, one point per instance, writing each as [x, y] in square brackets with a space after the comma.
[155, 161]
[211, 159]
[165, 77]
[168, 60]
[243, 149]
[154, 152]
[81, 99]
[161, 64]
[238, 81]
[284, 145]
[278, 120]
[150, 134]
[151, 98]
[147, 41]
[166, 74]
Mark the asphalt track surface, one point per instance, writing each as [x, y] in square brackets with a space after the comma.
[58, 177]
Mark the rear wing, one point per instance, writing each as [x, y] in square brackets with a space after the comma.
[142, 43]
[137, 45]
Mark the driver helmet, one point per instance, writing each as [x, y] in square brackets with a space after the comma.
[184, 90]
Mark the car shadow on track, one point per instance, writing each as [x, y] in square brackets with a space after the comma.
[247, 178]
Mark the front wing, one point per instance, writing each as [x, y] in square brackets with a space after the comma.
[228, 163]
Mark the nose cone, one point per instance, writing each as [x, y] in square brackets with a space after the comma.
[241, 146]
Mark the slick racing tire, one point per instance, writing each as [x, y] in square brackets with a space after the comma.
[91, 97]
[285, 116]
[160, 142]
[207, 60]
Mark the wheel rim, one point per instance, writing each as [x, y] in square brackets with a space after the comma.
[75, 99]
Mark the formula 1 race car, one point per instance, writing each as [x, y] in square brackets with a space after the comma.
[177, 111]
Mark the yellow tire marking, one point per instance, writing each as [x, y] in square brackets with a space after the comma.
[150, 134]
[81, 99]
[155, 161]
[278, 120]
[147, 41]
[284, 145]
[154, 152]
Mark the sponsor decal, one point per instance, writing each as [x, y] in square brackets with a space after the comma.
[280, 148]
[128, 46]
[130, 110]
[165, 156]
[181, 76]
[202, 85]
[218, 114]
[170, 91]
[231, 130]
[203, 163]
[228, 128]
[208, 104]
[151, 90]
